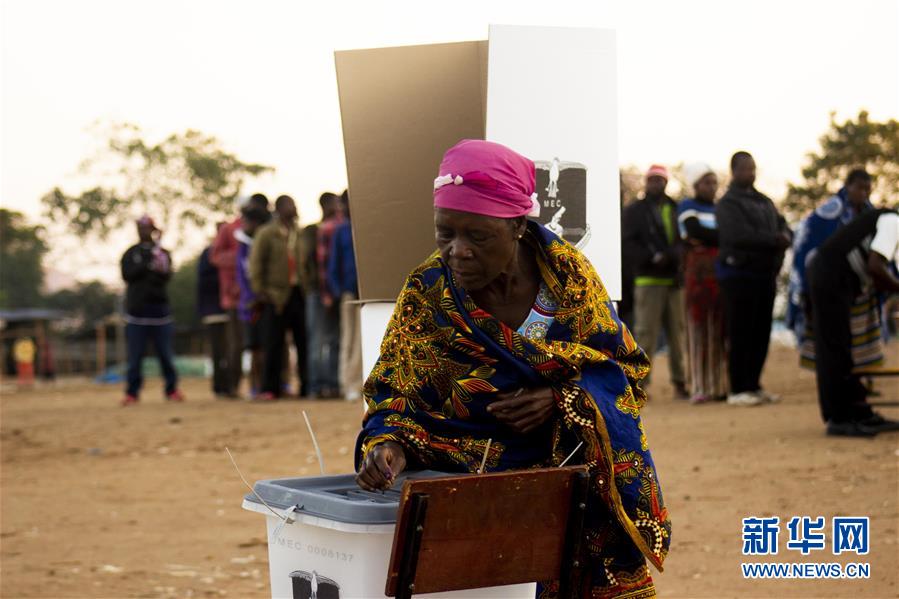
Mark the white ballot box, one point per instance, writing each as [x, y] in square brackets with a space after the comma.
[338, 542]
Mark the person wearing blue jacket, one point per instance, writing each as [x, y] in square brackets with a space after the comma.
[343, 284]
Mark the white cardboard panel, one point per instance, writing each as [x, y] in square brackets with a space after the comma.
[373, 318]
[552, 94]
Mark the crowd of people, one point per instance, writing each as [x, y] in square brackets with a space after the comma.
[705, 273]
[261, 278]
[700, 279]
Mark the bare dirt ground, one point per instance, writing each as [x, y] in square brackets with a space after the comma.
[100, 501]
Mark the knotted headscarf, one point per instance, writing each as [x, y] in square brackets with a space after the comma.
[486, 178]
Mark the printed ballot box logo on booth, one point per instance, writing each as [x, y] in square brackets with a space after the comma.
[562, 194]
[311, 585]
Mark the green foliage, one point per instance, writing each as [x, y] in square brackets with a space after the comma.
[22, 249]
[183, 293]
[87, 302]
[858, 142]
[185, 180]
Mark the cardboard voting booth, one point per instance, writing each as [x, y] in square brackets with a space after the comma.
[552, 97]
[547, 92]
[550, 94]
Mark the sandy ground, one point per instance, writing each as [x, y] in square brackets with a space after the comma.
[100, 501]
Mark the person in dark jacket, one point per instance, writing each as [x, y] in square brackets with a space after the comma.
[146, 269]
[344, 285]
[652, 250]
[322, 312]
[248, 307]
[752, 238]
[215, 320]
[278, 281]
[223, 256]
[854, 259]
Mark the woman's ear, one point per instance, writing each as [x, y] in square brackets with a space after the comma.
[519, 226]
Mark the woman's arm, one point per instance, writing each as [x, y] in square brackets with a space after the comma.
[382, 464]
[695, 231]
[524, 410]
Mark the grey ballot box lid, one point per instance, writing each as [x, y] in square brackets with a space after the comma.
[337, 497]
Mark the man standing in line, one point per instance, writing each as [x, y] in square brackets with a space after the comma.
[146, 269]
[248, 309]
[322, 313]
[652, 247]
[854, 259]
[223, 256]
[277, 280]
[752, 238]
[214, 320]
[344, 285]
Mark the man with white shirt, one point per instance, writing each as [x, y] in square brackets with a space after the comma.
[851, 260]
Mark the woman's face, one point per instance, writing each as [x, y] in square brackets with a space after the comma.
[707, 187]
[476, 248]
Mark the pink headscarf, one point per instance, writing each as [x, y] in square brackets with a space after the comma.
[486, 178]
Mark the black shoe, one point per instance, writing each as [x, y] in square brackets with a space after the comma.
[850, 428]
[880, 424]
[680, 391]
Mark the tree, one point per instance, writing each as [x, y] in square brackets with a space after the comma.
[858, 142]
[185, 180]
[182, 291]
[22, 250]
[630, 181]
[87, 302]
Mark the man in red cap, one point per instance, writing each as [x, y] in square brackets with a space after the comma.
[652, 249]
[147, 268]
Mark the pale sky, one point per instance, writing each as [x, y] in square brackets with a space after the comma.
[697, 80]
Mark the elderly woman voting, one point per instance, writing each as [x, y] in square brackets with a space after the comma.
[504, 342]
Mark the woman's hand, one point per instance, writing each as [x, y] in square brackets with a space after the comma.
[381, 466]
[524, 410]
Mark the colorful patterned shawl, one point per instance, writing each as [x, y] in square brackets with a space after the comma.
[443, 360]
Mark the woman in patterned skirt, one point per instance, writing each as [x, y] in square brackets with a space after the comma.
[706, 333]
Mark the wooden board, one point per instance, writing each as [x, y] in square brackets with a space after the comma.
[876, 371]
[487, 530]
